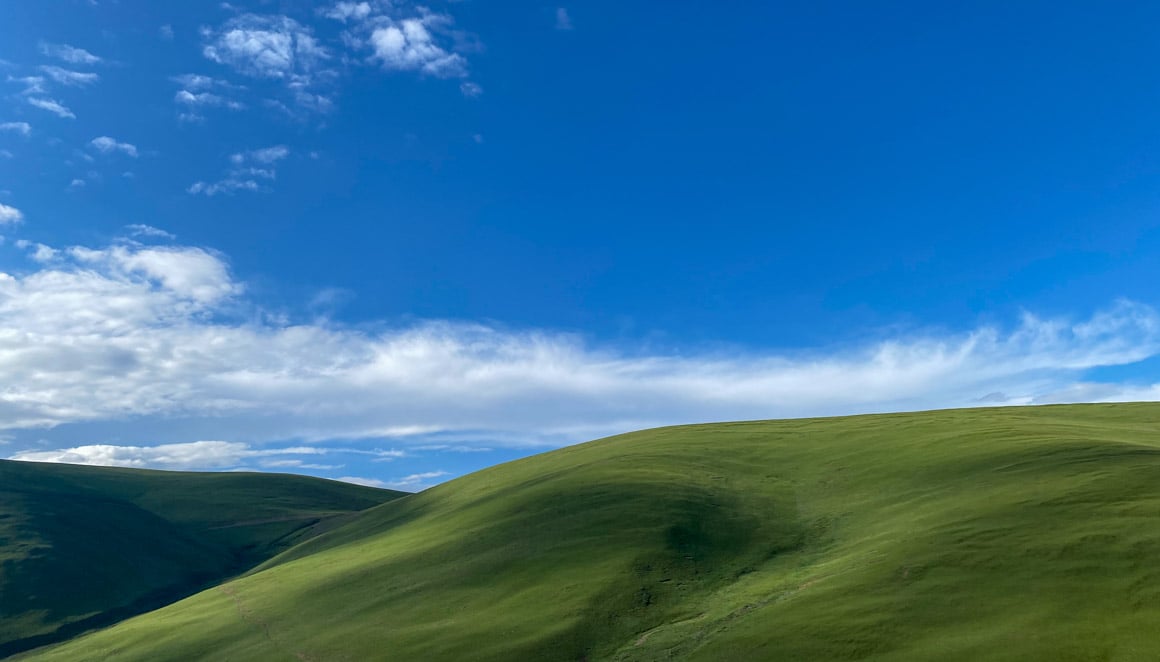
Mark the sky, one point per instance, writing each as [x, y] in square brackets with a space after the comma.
[394, 243]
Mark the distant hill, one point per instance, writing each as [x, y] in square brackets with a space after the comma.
[987, 534]
[82, 547]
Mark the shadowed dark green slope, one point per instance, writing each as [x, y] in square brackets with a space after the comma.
[83, 546]
[998, 534]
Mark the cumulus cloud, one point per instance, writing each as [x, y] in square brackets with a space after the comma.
[164, 333]
[38, 252]
[51, 105]
[347, 11]
[398, 39]
[10, 215]
[275, 48]
[247, 169]
[68, 77]
[409, 45]
[70, 54]
[23, 128]
[266, 47]
[107, 145]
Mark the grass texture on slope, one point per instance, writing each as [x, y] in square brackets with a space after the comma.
[997, 534]
[83, 546]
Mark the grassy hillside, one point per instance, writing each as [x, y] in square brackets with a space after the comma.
[83, 546]
[997, 534]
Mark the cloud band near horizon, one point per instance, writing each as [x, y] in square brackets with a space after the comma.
[139, 334]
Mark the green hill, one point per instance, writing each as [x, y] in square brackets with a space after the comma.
[82, 547]
[997, 534]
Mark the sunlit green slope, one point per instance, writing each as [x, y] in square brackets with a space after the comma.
[990, 534]
[83, 546]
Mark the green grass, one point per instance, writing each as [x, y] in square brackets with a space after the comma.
[82, 547]
[997, 534]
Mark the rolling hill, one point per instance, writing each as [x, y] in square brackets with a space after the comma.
[82, 547]
[998, 534]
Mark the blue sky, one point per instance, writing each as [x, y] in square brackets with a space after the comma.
[396, 243]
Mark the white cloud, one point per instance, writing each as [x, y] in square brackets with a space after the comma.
[184, 456]
[563, 20]
[198, 82]
[38, 252]
[10, 215]
[107, 145]
[275, 48]
[142, 333]
[32, 84]
[199, 92]
[68, 77]
[190, 274]
[347, 11]
[69, 54]
[165, 32]
[265, 156]
[470, 89]
[247, 169]
[187, 98]
[413, 483]
[408, 45]
[228, 185]
[23, 128]
[53, 106]
[142, 230]
[398, 38]
[365, 482]
[266, 47]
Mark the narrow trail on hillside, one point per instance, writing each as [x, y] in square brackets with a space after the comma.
[249, 617]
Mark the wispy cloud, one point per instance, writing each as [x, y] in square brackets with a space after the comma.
[188, 456]
[147, 332]
[68, 77]
[199, 82]
[33, 85]
[51, 105]
[470, 89]
[563, 20]
[107, 145]
[247, 170]
[205, 99]
[201, 92]
[23, 128]
[142, 230]
[70, 54]
[412, 483]
[10, 215]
